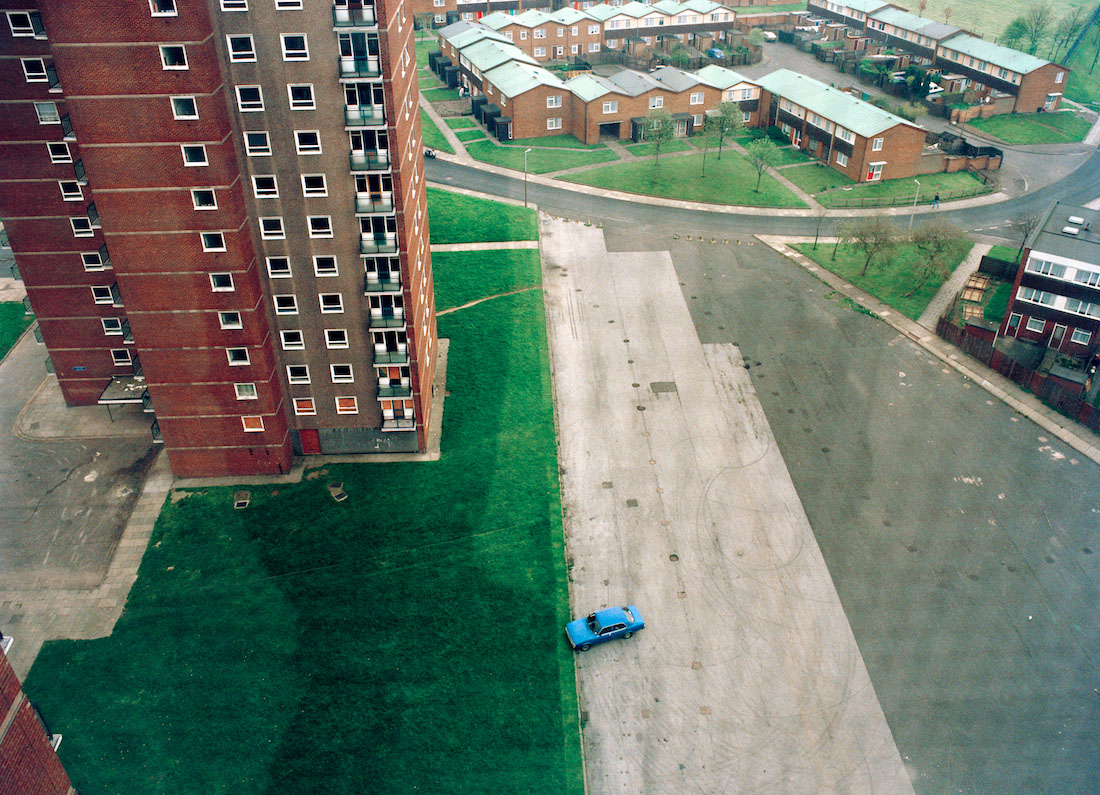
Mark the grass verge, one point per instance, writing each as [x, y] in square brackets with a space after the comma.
[1035, 128]
[457, 218]
[460, 122]
[475, 134]
[816, 177]
[647, 150]
[432, 136]
[539, 161]
[899, 192]
[789, 155]
[728, 181]
[441, 94]
[888, 281]
[425, 43]
[13, 322]
[563, 141]
[464, 276]
[1007, 253]
[997, 303]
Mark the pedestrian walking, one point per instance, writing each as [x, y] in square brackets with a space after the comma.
[935, 201]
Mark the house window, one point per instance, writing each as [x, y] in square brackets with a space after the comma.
[1059, 77]
[697, 98]
[234, 5]
[304, 406]
[292, 340]
[213, 241]
[1035, 324]
[341, 373]
[1080, 336]
[336, 338]
[325, 266]
[91, 260]
[173, 56]
[611, 107]
[540, 52]
[82, 227]
[575, 49]
[271, 228]
[553, 101]
[297, 373]
[656, 102]
[876, 145]
[1079, 307]
[245, 391]
[238, 357]
[307, 142]
[841, 159]
[230, 320]
[162, 8]
[26, 23]
[540, 33]
[221, 282]
[257, 143]
[278, 267]
[112, 326]
[34, 70]
[1091, 278]
[301, 96]
[319, 225]
[59, 152]
[593, 30]
[204, 199]
[314, 185]
[331, 303]
[1045, 268]
[70, 190]
[194, 155]
[102, 295]
[265, 186]
[120, 357]
[285, 304]
[594, 46]
[249, 99]
[1014, 323]
[1036, 296]
[874, 172]
[184, 108]
[523, 35]
[287, 5]
[252, 424]
[347, 405]
[47, 113]
[553, 124]
[241, 48]
[295, 47]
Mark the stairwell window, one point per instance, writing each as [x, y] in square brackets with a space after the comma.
[304, 406]
[59, 152]
[26, 23]
[297, 373]
[204, 199]
[271, 228]
[285, 304]
[194, 155]
[876, 145]
[70, 190]
[230, 320]
[245, 391]
[47, 113]
[221, 282]
[257, 143]
[173, 57]
[278, 267]
[292, 340]
[253, 424]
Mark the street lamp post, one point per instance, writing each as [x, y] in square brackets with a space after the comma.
[915, 198]
[525, 153]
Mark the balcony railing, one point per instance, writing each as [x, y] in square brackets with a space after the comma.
[360, 67]
[394, 391]
[364, 117]
[378, 244]
[370, 161]
[379, 320]
[374, 202]
[391, 357]
[354, 17]
[402, 424]
[373, 284]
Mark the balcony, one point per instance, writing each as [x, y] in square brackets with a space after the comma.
[380, 320]
[399, 424]
[364, 117]
[389, 283]
[370, 161]
[391, 357]
[378, 244]
[363, 17]
[367, 203]
[394, 391]
[360, 67]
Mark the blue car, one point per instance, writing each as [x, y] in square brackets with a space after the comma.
[604, 625]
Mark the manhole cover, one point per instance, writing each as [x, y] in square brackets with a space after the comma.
[674, 557]
[663, 386]
[631, 503]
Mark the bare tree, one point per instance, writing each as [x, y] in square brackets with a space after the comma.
[947, 12]
[1096, 56]
[819, 216]
[762, 154]
[1068, 27]
[1026, 223]
[921, 5]
[659, 129]
[423, 22]
[934, 240]
[1037, 20]
[726, 123]
[874, 235]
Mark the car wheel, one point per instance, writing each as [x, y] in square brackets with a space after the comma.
[627, 634]
[585, 646]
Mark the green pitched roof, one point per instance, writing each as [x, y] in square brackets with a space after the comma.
[720, 77]
[486, 55]
[514, 78]
[994, 53]
[589, 86]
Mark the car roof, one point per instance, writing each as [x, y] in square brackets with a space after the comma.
[611, 615]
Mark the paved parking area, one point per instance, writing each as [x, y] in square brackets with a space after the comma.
[677, 499]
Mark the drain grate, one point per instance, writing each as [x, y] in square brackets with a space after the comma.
[662, 386]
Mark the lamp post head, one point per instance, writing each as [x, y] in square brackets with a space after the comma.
[528, 149]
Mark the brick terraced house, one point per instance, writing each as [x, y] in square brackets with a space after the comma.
[218, 209]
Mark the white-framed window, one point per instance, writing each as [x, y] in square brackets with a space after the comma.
[746, 116]
[523, 35]
[304, 406]
[91, 260]
[250, 99]
[163, 8]
[292, 340]
[295, 47]
[285, 304]
[1080, 337]
[696, 98]
[237, 357]
[319, 225]
[265, 186]
[553, 101]
[82, 227]
[336, 338]
[439, 18]
[112, 326]
[70, 190]
[331, 303]
[59, 152]
[221, 282]
[876, 145]
[611, 107]
[1036, 296]
[341, 373]
[301, 96]
[204, 199]
[194, 155]
[1045, 268]
[47, 113]
[288, 5]
[539, 52]
[271, 228]
[1035, 324]
[252, 423]
[241, 48]
[845, 135]
[120, 357]
[102, 294]
[278, 267]
[347, 404]
[574, 30]
[593, 30]
[554, 123]
[34, 70]
[325, 265]
[656, 102]
[173, 57]
[184, 108]
[1079, 307]
[841, 159]
[297, 374]
[230, 320]
[307, 142]
[697, 121]
[257, 143]
[1091, 278]
[1059, 77]
[212, 241]
[234, 5]
[26, 23]
[540, 33]
[245, 391]
[314, 185]
[594, 46]
[574, 49]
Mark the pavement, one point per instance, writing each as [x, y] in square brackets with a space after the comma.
[676, 497]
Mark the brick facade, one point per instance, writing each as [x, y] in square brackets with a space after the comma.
[28, 761]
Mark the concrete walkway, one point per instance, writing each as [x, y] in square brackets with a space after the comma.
[448, 133]
[953, 286]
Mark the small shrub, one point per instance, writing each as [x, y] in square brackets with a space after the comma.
[776, 134]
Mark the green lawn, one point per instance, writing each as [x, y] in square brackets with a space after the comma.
[426, 79]
[771, 9]
[1082, 86]
[1035, 128]
[888, 281]
[902, 191]
[539, 161]
[816, 177]
[460, 122]
[1007, 253]
[300, 646]
[730, 180]
[464, 276]
[563, 141]
[425, 43]
[789, 155]
[989, 17]
[431, 134]
[13, 322]
[646, 150]
[997, 302]
[457, 218]
[441, 94]
[475, 134]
